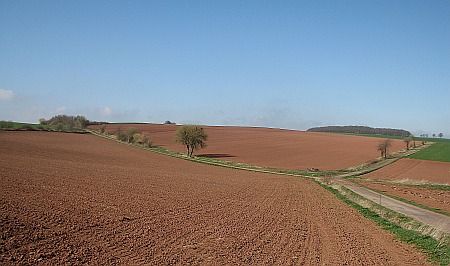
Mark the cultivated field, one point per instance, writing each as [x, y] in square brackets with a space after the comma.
[412, 179]
[414, 170]
[288, 149]
[72, 198]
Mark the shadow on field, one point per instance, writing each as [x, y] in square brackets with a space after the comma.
[215, 155]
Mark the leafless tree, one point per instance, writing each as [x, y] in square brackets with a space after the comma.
[407, 141]
[383, 147]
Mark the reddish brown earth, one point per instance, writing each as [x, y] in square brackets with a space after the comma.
[289, 149]
[70, 198]
[414, 170]
[439, 199]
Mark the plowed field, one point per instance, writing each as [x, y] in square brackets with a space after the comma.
[414, 170]
[69, 198]
[289, 149]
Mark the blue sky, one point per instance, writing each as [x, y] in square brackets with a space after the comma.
[290, 64]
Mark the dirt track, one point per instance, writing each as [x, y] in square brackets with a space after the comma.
[79, 198]
[439, 199]
[279, 148]
[414, 170]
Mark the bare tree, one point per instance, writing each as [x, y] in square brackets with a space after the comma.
[407, 141]
[193, 137]
[441, 135]
[383, 147]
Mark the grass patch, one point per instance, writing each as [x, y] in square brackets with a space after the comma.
[439, 151]
[17, 126]
[437, 251]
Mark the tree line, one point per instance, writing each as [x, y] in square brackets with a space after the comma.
[362, 130]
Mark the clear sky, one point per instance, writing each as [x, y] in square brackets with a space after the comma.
[290, 64]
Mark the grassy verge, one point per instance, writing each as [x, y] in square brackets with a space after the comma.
[437, 251]
[439, 151]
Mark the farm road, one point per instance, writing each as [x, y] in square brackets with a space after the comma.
[438, 221]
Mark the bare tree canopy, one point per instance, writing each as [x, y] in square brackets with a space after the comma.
[407, 141]
[384, 146]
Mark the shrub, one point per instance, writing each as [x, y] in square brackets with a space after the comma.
[142, 139]
[130, 134]
[121, 135]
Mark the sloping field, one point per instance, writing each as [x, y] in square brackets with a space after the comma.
[289, 149]
[68, 198]
[415, 170]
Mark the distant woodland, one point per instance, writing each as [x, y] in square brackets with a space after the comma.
[362, 130]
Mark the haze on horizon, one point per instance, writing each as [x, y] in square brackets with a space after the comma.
[257, 63]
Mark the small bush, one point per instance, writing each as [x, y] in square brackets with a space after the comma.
[141, 139]
[121, 135]
[130, 134]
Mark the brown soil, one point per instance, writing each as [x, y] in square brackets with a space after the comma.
[414, 170]
[70, 198]
[289, 149]
[439, 199]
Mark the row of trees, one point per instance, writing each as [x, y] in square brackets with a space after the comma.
[384, 146]
[361, 130]
[440, 135]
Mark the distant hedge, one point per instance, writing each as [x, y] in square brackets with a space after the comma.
[362, 130]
